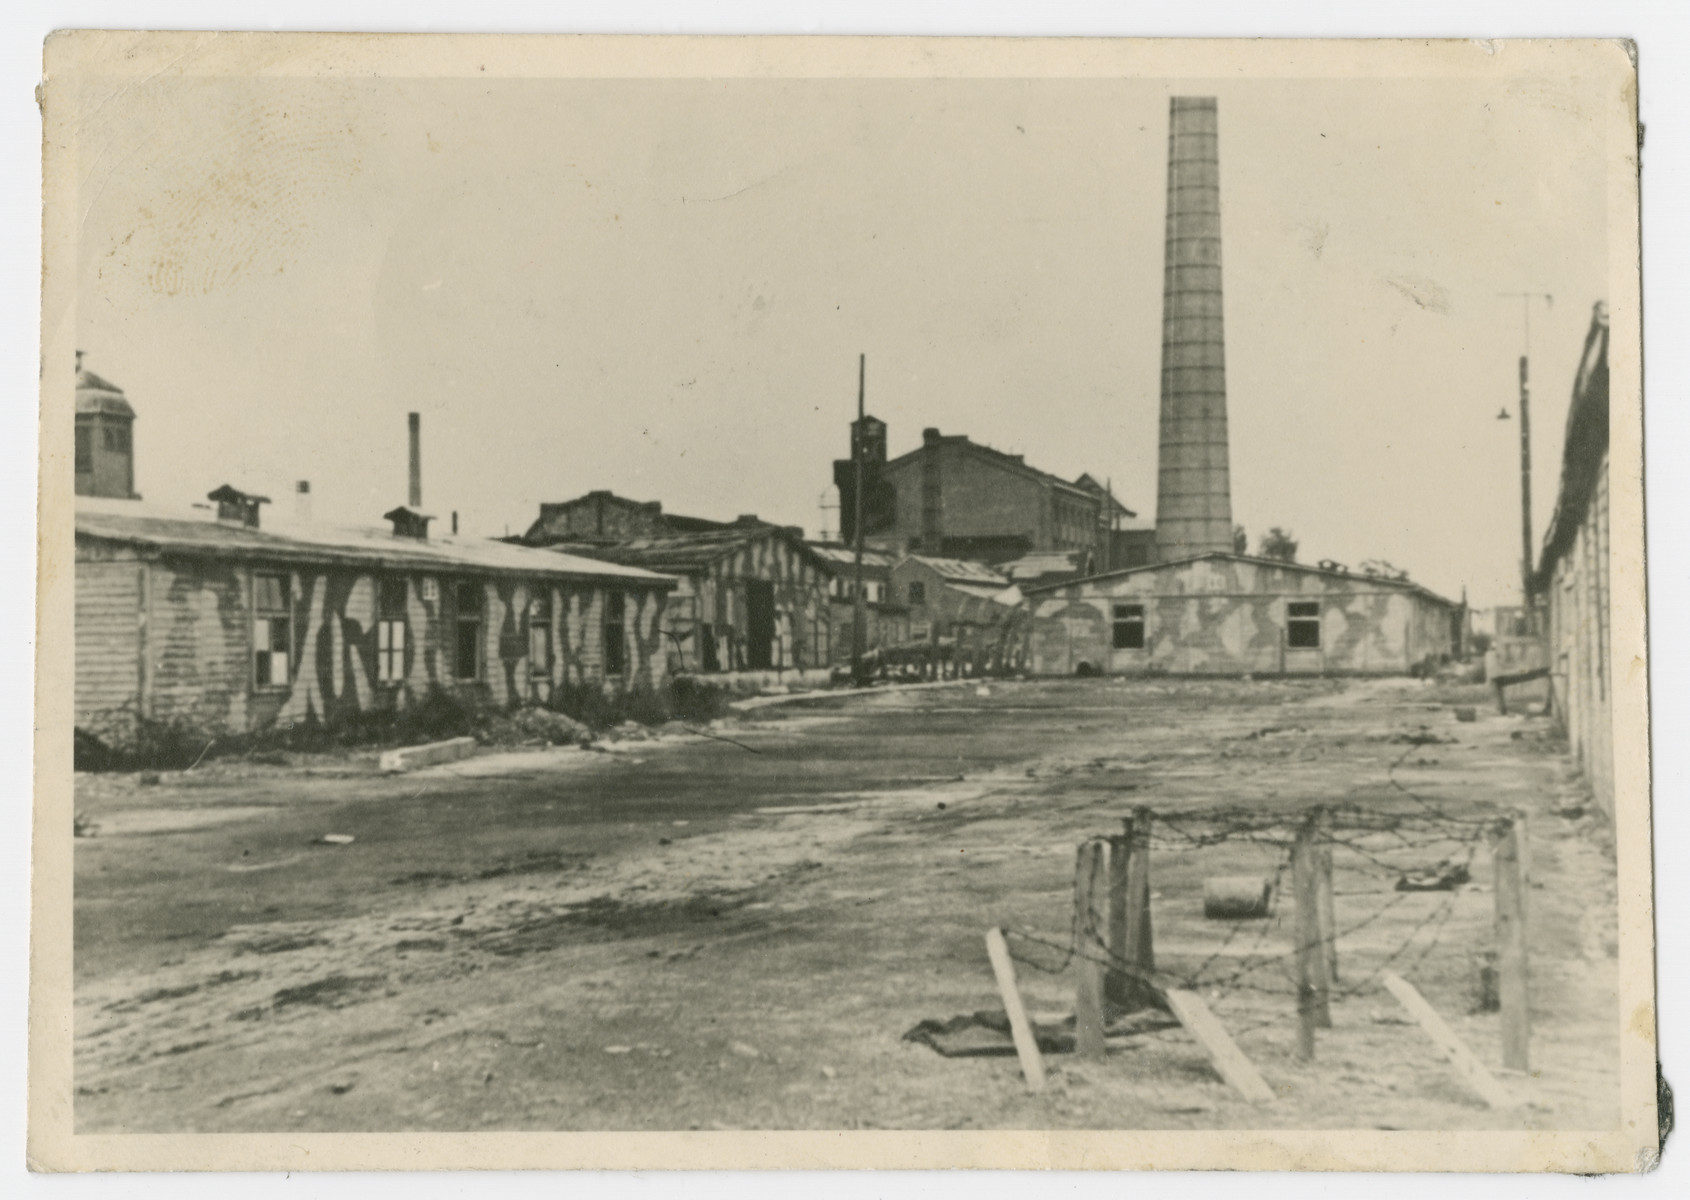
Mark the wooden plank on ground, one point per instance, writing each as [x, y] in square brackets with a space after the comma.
[1026, 1047]
[1229, 1060]
[1461, 1058]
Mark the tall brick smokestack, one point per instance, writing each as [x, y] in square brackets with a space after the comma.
[1194, 484]
[415, 500]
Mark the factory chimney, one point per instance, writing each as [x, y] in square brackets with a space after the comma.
[415, 500]
[1193, 487]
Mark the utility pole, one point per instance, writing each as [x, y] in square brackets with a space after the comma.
[1530, 613]
[1526, 497]
[859, 616]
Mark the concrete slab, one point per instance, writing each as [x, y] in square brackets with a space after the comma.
[408, 758]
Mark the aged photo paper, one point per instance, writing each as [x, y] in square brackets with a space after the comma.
[840, 602]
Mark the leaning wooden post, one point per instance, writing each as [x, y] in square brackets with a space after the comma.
[1512, 983]
[1088, 952]
[1118, 984]
[1026, 1045]
[1323, 899]
[1312, 1009]
[1141, 950]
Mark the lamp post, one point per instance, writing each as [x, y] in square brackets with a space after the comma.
[1526, 299]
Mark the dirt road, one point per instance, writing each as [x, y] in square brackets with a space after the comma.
[694, 933]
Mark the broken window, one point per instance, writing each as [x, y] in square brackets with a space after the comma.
[84, 449]
[1302, 624]
[918, 595]
[466, 657]
[272, 630]
[390, 631]
[615, 645]
[1129, 626]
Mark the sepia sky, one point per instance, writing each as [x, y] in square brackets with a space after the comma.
[662, 287]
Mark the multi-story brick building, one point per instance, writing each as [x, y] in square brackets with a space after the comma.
[955, 498]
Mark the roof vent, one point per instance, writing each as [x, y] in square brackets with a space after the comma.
[237, 507]
[748, 519]
[409, 523]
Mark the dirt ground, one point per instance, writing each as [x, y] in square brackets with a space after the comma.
[698, 933]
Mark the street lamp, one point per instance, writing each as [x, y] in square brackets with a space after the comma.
[1526, 299]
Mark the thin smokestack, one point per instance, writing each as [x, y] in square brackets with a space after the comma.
[416, 461]
[1194, 486]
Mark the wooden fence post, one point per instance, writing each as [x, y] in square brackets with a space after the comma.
[1324, 902]
[1117, 984]
[1312, 1008]
[1141, 948]
[1089, 950]
[1512, 981]
[1026, 1045]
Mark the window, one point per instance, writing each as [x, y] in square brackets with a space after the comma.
[1302, 625]
[1129, 626]
[615, 647]
[117, 439]
[272, 627]
[539, 636]
[84, 449]
[466, 645]
[918, 595]
[390, 632]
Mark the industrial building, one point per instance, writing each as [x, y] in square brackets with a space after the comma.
[1228, 614]
[1572, 574]
[750, 596]
[955, 498]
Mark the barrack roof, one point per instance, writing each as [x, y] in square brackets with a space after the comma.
[1404, 583]
[191, 535]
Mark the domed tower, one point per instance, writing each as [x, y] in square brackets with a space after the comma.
[105, 456]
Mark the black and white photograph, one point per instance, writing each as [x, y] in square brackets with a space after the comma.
[724, 588]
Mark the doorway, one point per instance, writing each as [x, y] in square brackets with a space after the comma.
[759, 624]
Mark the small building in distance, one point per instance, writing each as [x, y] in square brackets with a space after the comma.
[1572, 577]
[751, 596]
[955, 498]
[1229, 614]
[886, 622]
[105, 454]
[969, 610]
[606, 518]
[220, 625]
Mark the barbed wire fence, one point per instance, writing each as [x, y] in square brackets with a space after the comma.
[1388, 848]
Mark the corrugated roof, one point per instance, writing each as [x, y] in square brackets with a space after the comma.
[847, 555]
[955, 570]
[1044, 562]
[191, 535]
[682, 552]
